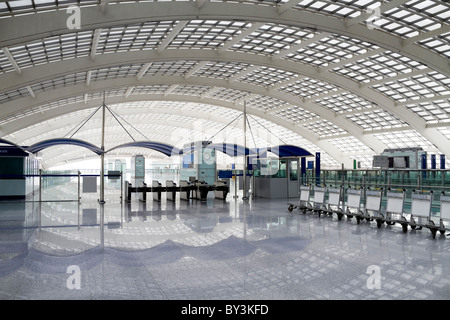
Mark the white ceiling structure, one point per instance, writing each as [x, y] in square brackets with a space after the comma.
[346, 78]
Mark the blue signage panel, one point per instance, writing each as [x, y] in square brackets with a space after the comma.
[11, 151]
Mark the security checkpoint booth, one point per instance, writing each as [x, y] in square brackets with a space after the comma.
[282, 175]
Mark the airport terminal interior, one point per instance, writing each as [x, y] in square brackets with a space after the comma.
[224, 150]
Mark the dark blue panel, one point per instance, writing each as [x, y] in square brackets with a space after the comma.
[63, 141]
[433, 161]
[166, 149]
[317, 168]
[289, 151]
[12, 151]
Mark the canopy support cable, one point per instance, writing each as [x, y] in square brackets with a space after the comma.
[82, 123]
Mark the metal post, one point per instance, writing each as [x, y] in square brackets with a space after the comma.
[244, 174]
[102, 165]
[79, 193]
[40, 197]
[121, 186]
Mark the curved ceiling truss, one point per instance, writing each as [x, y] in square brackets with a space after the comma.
[332, 72]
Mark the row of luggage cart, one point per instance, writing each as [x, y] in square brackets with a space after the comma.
[367, 204]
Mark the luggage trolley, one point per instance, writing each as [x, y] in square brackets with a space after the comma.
[444, 213]
[421, 211]
[394, 209]
[353, 204]
[319, 200]
[303, 203]
[372, 208]
[334, 202]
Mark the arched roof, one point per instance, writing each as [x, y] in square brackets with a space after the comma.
[346, 78]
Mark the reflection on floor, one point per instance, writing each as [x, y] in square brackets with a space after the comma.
[211, 250]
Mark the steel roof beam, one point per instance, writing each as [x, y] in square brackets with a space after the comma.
[47, 24]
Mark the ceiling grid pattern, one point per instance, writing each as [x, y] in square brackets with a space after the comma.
[329, 90]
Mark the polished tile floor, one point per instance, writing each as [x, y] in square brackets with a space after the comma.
[227, 250]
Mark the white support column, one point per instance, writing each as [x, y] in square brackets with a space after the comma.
[94, 44]
[129, 91]
[172, 35]
[196, 68]
[88, 78]
[201, 3]
[12, 60]
[104, 5]
[31, 92]
[287, 5]
[245, 33]
[143, 70]
[170, 90]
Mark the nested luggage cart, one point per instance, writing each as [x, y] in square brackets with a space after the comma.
[421, 211]
[334, 202]
[303, 203]
[394, 209]
[444, 213]
[319, 200]
[372, 207]
[353, 204]
[421, 205]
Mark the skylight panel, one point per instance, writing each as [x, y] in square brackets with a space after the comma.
[20, 3]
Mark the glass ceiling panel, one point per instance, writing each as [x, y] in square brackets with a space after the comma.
[428, 85]
[52, 49]
[404, 139]
[179, 68]
[344, 102]
[376, 120]
[221, 70]
[308, 88]
[351, 146]
[142, 36]
[229, 94]
[413, 17]
[439, 44]
[329, 50]
[265, 103]
[265, 76]
[432, 112]
[377, 67]
[271, 39]
[206, 34]
[324, 128]
[296, 114]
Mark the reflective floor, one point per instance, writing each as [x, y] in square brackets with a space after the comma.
[217, 249]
